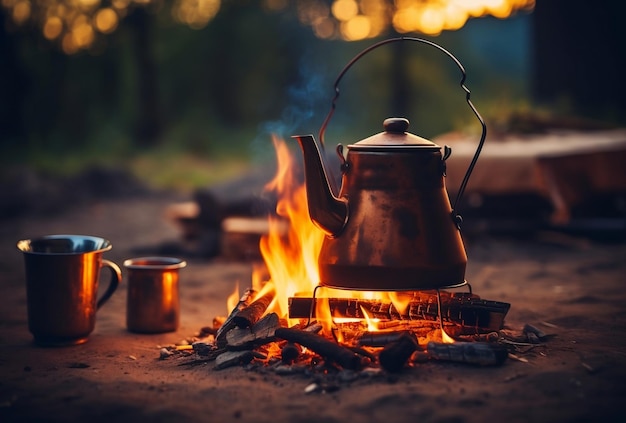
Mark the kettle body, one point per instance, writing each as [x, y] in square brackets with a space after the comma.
[395, 231]
[391, 225]
[399, 234]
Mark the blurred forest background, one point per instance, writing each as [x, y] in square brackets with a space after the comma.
[188, 92]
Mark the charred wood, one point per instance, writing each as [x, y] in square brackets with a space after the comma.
[470, 311]
[395, 354]
[479, 353]
[329, 350]
[203, 348]
[232, 358]
[379, 339]
[251, 314]
[482, 337]
[229, 323]
[262, 332]
[290, 352]
[364, 352]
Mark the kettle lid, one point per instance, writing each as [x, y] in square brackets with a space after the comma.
[394, 137]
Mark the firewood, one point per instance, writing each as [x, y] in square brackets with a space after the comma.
[254, 311]
[232, 358]
[262, 332]
[229, 323]
[290, 352]
[470, 311]
[479, 353]
[329, 350]
[538, 333]
[394, 355]
[379, 339]
[420, 327]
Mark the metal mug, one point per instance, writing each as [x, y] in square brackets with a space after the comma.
[153, 304]
[62, 276]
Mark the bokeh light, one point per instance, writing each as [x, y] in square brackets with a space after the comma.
[360, 19]
[76, 24]
[106, 20]
[195, 13]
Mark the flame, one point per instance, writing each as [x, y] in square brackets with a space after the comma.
[372, 324]
[290, 255]
[290, 250]
[233, 299]
[445, 338]
[400, 301]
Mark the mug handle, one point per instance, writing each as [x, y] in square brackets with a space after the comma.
[116, 278]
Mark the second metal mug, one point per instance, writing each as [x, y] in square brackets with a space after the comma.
[153, 304]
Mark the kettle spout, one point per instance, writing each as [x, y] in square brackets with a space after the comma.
[327, 212]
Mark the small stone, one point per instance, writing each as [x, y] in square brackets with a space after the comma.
[313, 387]
[202, 348]
[164, 353]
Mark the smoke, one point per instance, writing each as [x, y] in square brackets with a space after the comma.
[307, 100]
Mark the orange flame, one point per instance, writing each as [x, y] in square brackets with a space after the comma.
[291, 255]
[233, 299]
[445, 338]
[372, 324]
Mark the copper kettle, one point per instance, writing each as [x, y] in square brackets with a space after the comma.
[390, 226]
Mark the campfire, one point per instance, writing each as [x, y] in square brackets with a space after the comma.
[284, 320]
[368, 275]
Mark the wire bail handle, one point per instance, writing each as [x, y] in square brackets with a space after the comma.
[457, 218]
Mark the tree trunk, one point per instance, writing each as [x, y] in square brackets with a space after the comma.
[147, 127]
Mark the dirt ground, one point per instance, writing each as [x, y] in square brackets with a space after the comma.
[570, 287]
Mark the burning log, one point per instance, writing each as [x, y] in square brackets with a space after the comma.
[480, 353]
[229, 323]
[262, 332]
[395, 354]
[470, 311]
[322, 346]
[251, 314]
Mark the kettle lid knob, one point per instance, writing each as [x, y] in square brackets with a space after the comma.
[395, 136]
[396, 125]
